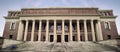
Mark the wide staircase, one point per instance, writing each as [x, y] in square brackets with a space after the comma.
[60, 47]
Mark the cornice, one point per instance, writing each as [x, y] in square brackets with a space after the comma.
[27, 15]
[11, 17]
[108, 16]
[60, 8]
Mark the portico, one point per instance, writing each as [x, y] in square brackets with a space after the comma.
[61, 30]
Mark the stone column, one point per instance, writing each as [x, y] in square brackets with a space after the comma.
[33, 28]
[78, 31]
[100, 31]
[70, 23]
[55, 36]
[93, 31]
[20, 31]
[63, 31]
[26, 31]
[85, 31]
[39, 32]
[47, 30]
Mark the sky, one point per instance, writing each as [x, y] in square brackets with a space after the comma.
[7, 5]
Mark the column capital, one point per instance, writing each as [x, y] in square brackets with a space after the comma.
[47, 20]
[20, 20]
[78, 20]
[98, 20]
[26, 20]
[54, 20]
[85, 20]
[40, 20]
[70, 19]
[92, 19]
[33, 20]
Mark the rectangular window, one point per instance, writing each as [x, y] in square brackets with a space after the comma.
[12, 25]
[10, 36]
[107, 25]
[109, 36]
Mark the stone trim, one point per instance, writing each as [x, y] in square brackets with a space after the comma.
[27, 15]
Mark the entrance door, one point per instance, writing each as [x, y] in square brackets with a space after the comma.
[66, 38]
[51, 38]
[58, 38]
[73, 38]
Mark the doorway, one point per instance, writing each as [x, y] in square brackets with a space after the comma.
[51, 38]
[58, 38]
[66, 38]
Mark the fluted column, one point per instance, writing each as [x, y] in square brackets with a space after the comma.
[20, 31]
[39, 32]
[70, 23]
[63, 31]
[78, 30]
[33, 28]
[55, 36]
[26, 31]
[47, 30]
[100, 31]
[85, 31]
[93, 31]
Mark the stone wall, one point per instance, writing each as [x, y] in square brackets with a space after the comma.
[112, 42]
[8, 42]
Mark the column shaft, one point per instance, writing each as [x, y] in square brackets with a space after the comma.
[100, 31]
[26, 31]
[70, 23]
[63, 31]
[33, 28]
[85, 31]
[78, 30]
[93, 31]
[47, 30]
[39, 32]
[55, 36]
[19, 35]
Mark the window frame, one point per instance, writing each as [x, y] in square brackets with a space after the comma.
[107, 25]
[11, 24]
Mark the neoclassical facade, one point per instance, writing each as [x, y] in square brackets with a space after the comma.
[60, 24]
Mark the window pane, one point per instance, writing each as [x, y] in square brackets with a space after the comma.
[106, 25]
[12, 26]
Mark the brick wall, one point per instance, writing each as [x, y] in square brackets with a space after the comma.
[112, 31]
[7, 32]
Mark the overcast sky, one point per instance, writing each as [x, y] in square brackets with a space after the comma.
[7, 5]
